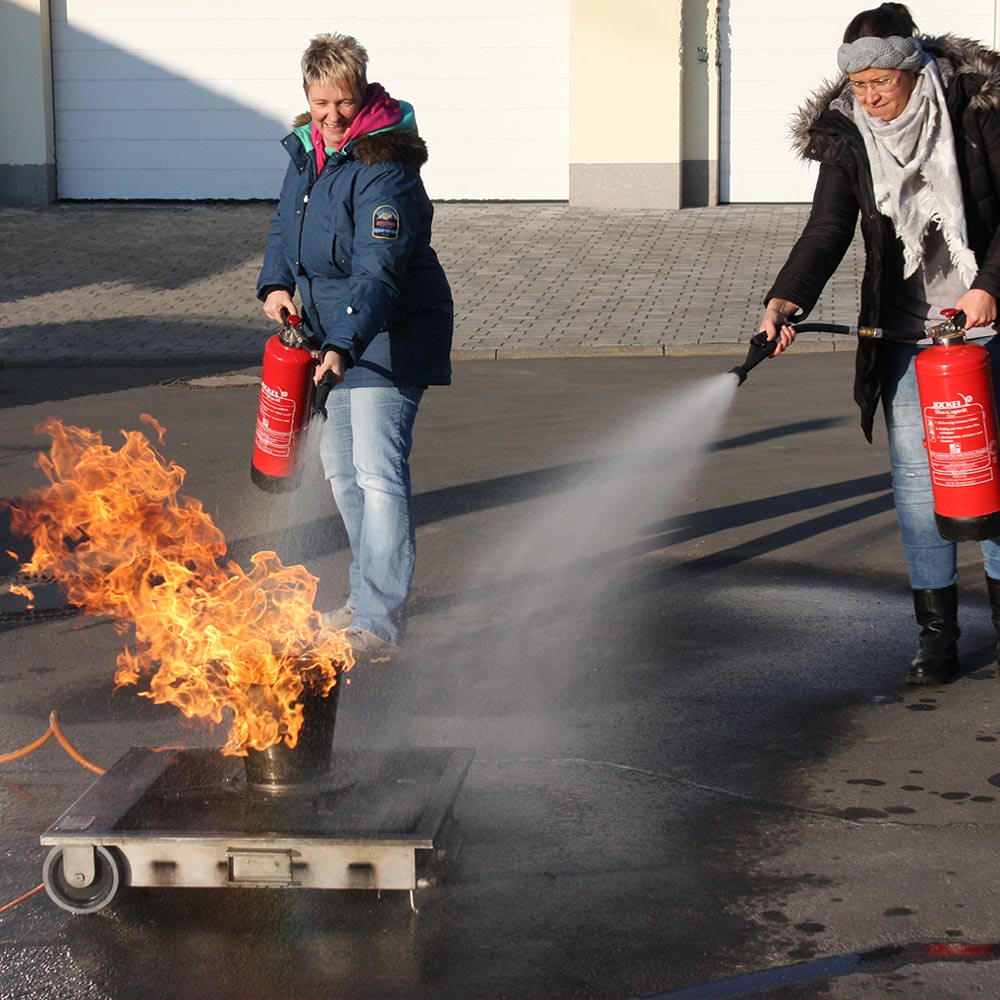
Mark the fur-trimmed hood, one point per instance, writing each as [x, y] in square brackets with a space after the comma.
[395, 145]
[955, 56]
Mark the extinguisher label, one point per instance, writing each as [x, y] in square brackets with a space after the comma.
[276, 422]
[960, 447]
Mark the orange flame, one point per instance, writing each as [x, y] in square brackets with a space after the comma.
[208, 636]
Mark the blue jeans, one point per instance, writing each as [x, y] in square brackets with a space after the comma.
[930, 559]
[365, 452]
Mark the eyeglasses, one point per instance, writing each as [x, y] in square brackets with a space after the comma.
[880, 86]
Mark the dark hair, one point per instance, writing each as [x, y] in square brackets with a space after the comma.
[881, 22]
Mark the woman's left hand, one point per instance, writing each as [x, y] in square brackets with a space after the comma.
[980, 308]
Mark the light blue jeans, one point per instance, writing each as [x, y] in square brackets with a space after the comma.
[365, 452]
[930, 559]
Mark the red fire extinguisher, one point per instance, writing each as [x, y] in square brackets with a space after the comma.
[955, 385]
[285, 407]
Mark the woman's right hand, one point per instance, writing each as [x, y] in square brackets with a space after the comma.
[276, 301]
[776, 323]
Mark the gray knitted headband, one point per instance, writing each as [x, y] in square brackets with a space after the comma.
[870, 52]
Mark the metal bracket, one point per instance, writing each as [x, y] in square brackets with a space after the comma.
[78, 866]
[260, 867]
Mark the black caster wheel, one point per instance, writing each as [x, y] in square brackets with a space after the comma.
[83, 899]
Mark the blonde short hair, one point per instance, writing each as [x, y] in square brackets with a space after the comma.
[335, 59]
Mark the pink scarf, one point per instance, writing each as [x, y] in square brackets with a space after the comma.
[379, 111]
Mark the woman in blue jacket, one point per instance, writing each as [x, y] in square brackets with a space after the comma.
[352, 235]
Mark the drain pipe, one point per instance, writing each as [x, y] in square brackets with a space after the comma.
[713, 53]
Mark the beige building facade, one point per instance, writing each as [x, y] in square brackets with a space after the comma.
[631, 104]
[27, 146]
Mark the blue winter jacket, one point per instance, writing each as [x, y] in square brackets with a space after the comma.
[356, 243]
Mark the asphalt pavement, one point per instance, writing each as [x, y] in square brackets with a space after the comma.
[669, 616]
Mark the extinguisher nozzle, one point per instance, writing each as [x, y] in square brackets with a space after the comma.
[760, 348]
[326, 383]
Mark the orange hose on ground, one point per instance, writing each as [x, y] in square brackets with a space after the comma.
[21, 899]
[69, 748]
[30, 748]
[53, 730]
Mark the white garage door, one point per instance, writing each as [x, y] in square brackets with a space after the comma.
[775, 53]
[188, 99]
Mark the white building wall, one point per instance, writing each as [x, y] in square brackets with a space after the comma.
[188, 100]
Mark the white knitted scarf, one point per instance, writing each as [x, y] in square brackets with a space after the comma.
[916, 174]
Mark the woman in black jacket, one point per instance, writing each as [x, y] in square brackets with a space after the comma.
[908, 139]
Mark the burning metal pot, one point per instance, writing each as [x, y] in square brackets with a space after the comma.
[282, 768]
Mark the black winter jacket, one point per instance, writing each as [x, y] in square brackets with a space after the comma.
[824, 130]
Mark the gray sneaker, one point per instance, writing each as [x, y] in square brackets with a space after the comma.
[369, 646]
[338, 619]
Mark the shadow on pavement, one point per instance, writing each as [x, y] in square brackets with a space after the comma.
[323, 536]
[57, 382]
[775, 433]
[124, 353]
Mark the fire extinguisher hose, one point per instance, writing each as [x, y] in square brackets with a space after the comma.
[761, 347]
[824, 328]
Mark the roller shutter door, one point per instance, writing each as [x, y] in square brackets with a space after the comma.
[774, 54]
[188, 99]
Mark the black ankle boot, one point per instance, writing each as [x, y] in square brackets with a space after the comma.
[993, 589]
[936, 661]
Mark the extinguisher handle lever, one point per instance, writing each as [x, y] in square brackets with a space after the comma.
[951, 331]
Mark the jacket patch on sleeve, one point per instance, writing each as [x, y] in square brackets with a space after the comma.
[385, 223]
